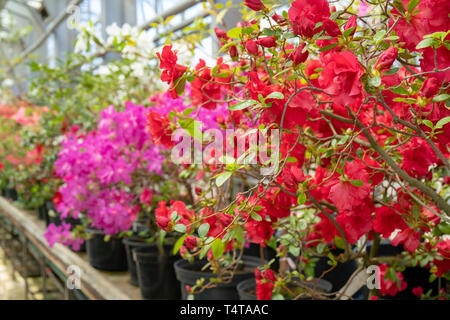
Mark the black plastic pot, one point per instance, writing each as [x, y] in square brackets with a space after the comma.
[247, 287]
[188, 274]
[339, 276]
[130, 244]
[156, 274]
[11, 194]
[254, 250]
[42, 212]
[414, 276]
[108, 256]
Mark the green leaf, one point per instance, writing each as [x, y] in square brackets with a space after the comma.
[328, 47]
[348, 32]
[235, 33]
[178, 244]
[442, 122]
[357, 183]
[379, 36]
[256, 216]
[301, 199]
[391, 72]
[412, 5]
[398, 4]
[180, 228]
[192, 127]
[321, 247]
[243, 105]
[278, 296]
[295, 251]
[275, 95]
[441, 97]
[222, 178]
[203, 230]
[425, 43]
[218, 248]
[399, 90]
[428, 123]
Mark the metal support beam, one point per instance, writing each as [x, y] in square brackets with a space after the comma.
[184, 5]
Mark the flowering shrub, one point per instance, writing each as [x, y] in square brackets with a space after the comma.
[97, 167]
[361, 108]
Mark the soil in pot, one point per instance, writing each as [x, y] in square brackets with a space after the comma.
[130, 244]
[414, 276]
[188, 274]
[247, 289]
[106, 255]
[155, 273]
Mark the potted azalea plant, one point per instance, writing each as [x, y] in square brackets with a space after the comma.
[359, 112]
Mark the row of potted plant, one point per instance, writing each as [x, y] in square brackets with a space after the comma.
[313, 150]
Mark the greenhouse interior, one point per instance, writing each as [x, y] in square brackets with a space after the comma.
[225, 150]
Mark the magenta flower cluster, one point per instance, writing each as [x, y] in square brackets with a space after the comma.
[98, 169]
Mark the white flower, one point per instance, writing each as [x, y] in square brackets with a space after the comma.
[104, 71]
[8, 83]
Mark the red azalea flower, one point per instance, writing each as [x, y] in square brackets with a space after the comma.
[159, 128]
[298, 56]
[430, 87]
[146, 196]
[386, 59]
[206, 89]
[57, 199]
[351, 24]
[387, 220]
[191, 242]
[267, 42]
[356, 223]
[255, 5]
[443, 266]
[252, 47]
[427, 20]
[305, 14]
[417, 157]
[345, 195]
[428, 63]
[341, 77]
[171, 70]
[388, 286]
[264, 284]
[331, 27]
[409, 238]
[417, 291]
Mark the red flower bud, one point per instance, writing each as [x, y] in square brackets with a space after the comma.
[234, 52]
[351, 23]
[331, 27]
[222, 35]
[279, 19]
[183, 251]
[333, 9]
[198, 191]
[251, 46]
[298, 56]
[267, 42]
[417, 291]
[430, 87]
[254, 4]
[386, 59]
[190, 242]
